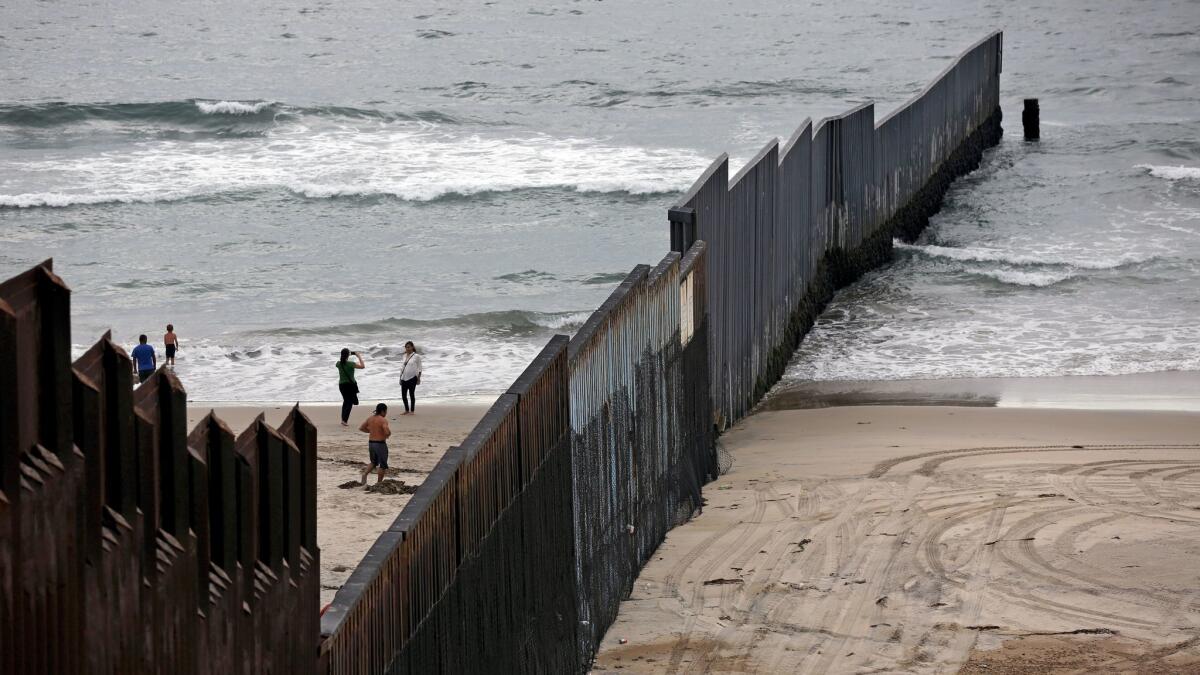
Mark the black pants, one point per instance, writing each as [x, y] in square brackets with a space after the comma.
[408, 389]
[349, 398]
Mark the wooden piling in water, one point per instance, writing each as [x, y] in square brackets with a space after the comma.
[1031, 119]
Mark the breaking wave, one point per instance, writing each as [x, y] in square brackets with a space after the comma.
[346, 156]
[1172, 172]
[988, 255]
[195, 112]
[510, 322]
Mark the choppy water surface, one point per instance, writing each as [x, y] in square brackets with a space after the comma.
[283, 179]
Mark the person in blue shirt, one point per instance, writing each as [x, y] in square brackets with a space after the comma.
[144, 360]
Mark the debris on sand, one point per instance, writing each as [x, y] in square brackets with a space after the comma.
[720, 582]
[387, 487]
[392, 487]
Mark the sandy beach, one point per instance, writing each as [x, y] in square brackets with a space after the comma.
[932, 539]
[349, 520]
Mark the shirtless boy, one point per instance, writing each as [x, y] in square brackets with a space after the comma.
[377, 426]
[171, 342]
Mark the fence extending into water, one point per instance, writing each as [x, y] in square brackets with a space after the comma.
[797, 223]
[514, 554]
[128, 545]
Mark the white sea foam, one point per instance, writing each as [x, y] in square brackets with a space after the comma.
[283, 370]
[1028, 346]
[407, 160]
[463, 356]
[62, 199]
[232, 107]
[972, 254]
[1172, 172]
[1032, 278]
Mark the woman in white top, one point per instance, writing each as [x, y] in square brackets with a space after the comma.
[410, 377]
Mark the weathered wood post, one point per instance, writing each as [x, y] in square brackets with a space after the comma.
[1030, 117]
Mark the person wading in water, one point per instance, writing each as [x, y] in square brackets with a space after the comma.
[346, 383]
[171, 342]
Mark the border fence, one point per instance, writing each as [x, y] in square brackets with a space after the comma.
[126, 544]
[197, 553]
[796, 224]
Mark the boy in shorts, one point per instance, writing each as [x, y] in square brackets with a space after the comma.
[377, 426]
[171, 342]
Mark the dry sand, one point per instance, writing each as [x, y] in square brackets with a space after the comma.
[932, 540]
[349, 520]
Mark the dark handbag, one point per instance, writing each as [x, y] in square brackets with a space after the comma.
[418, 378]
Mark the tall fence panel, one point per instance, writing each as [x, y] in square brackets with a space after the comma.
[783, 239]
[117, 546]
[640, 425]
[705, 203]
[476, 575]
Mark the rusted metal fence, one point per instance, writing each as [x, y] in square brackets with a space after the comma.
[477, 574]
[514, 553]
[127, 545]
[793, 225]
[640, 431]
[157, 550]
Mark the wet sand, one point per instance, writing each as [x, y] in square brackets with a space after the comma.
[349, 520]
[930, 539]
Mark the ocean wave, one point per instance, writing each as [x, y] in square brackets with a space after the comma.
[409, 162]
[1172, 172]
[989, 255]
[605, 278]
[438, 192]
[201, 113]
[191, 111]
[508, 322]
[282, 368]
[1025, 277]
[606, 97]
[233, 107]
[28, 200]
[528, 277]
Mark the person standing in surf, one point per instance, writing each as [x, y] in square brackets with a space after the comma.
[410, 377]
[171, 342]
[145, 361]
[377, 450]
[347, 385]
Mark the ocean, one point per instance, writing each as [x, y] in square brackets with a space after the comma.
[284, 179]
